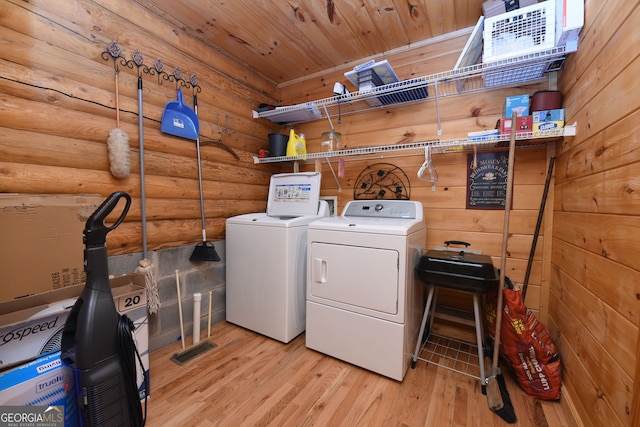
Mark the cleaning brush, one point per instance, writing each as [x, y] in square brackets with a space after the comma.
[119, 158]
[118, 141]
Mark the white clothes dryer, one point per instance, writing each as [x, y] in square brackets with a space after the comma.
[266, 258]
[363, 303]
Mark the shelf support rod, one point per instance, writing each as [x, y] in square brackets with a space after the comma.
[438, 108]
[327, 157]
[328, 116]
[553, 80]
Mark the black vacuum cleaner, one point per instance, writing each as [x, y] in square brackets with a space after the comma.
[97, 342]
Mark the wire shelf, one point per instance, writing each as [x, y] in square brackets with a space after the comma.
[452, 354]
[515, 70]
[436, 146]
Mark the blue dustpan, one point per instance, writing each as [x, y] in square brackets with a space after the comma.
[180, 120]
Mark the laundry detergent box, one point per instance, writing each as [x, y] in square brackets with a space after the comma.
[548, 116]
[31, 327]
[548, 120]
[38, 387]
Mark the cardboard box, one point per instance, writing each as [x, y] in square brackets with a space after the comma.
[569, 22]
[482, 135]
[548, 116]
[39, 383]
[517, 103]
[32, 326]
[29, 333]
[41, 247]
[524, 124]
[548, 120]
[548, 126]
[131, 300]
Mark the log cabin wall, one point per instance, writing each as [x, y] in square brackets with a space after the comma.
[595, 285]
[57, 108]
[58, 105]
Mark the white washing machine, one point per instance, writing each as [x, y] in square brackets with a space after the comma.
[266, 258]
[363, 303]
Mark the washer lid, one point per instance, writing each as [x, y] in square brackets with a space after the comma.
[263, 220]
[294, 194]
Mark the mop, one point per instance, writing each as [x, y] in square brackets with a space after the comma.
[145, 266]
[118, 141]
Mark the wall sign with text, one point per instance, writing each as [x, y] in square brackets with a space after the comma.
[487, 183]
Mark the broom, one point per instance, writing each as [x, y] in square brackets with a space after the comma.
[204, 251]
[496, 389]
[118, 141]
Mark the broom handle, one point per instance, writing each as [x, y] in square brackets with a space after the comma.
[143, 198]
[538, 225]
[117, 97]
[204, 230]
[505, 236]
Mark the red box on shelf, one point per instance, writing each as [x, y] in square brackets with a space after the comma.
[523, 124]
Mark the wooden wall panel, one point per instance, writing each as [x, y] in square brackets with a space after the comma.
[446, 215]
[596, 281]
[594, 400]
[591, 289]
[57, 105]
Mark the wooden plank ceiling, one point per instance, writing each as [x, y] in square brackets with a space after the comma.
[285, 40]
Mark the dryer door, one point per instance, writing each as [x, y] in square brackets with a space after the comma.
[356, 278]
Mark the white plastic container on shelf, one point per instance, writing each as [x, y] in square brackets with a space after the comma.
[520, 32]
[569, 22]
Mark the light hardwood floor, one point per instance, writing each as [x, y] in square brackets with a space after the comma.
[251, 380]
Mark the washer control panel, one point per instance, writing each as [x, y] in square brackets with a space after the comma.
[382, 209]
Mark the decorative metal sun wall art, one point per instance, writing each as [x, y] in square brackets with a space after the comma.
[382, 181]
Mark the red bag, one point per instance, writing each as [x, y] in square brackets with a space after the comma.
[527, 346]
